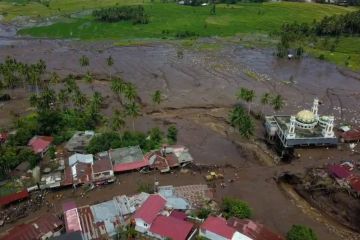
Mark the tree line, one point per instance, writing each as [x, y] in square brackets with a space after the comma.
[332, 26]
[135, 14]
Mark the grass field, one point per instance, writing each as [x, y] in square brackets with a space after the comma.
[172, 18]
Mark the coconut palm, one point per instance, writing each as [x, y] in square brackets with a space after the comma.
[156, 97]
[97, 100]
[240, 120]
[84, 61]
[130, 92]
[265, 100]
[278, 102]
[71, 84]
[247, 96]
[63, 98]
[110, 62]
[132, 110]
[118, 87]
[55, 78]
[117, 121]
[89, 79]
[79, 99]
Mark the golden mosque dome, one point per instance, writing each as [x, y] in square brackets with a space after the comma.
[305, 116]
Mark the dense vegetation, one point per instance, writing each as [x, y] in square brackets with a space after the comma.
[135, 14]
[232, 207]
[299, 35]
[299, 232]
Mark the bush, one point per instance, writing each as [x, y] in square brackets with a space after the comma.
[203, 213]
[235, 208]
[186, 34]
[172, 134]
[145, 187]
[135, 14]
[299, 232]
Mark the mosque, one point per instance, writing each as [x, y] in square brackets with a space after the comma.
[306, 128]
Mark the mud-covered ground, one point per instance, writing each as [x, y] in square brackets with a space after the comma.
[200, 89]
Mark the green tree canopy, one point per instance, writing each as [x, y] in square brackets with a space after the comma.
[299, 232]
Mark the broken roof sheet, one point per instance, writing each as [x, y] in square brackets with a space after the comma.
[252, 229]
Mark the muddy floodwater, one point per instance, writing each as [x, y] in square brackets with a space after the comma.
[200, 89]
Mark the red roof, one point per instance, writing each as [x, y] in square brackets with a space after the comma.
[102, 165]
[123, 167]
[40, 143]
[169, 227]
[253, 230]
[153, 205]
[355, 183]
[218, 226]
[71, 217]
[179, 215]
[339, 171]
[13, 197]
[35, 230]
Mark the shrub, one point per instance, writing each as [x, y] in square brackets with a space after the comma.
[172, 134]
[186, 34]
[145, 187]
[299, 232]
[135, 14]
[203, 213]
[235, 208]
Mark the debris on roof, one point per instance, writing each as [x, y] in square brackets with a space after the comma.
[126, 159]
[5, 200]
[79, 141]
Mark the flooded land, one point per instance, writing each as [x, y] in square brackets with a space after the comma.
[199, 85]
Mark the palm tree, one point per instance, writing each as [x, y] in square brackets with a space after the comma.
[63, 98]
[240, 120]
[278, 102]
[118, 87]
[246, 95]
[84, 61]
[55, 78]
[156, 97]
[79, 99]
[132, 110]
[130, 92]
[117, 121]
[71, 84]
[89, 79]
[97, 100]
[110, 62]
[265, 99]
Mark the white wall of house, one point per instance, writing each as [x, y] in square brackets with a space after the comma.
[141, 226]
[210, 235]
[103, 175]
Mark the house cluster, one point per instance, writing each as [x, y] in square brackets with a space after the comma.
[157, 215]
[73, 167]
[163, 215]
[345, 175]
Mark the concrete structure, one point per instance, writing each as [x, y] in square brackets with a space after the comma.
[102, 171]
[306, 128]
[81, 158]
[79, 141]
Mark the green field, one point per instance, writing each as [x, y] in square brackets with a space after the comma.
[173, 18]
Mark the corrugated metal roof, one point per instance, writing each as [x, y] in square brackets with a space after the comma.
[14, 197]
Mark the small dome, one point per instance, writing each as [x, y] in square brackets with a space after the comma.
[305, 116]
